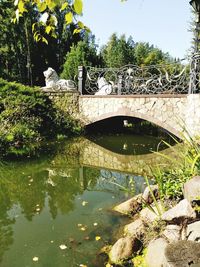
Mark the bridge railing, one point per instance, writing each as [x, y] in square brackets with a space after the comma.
[194, 85]
[171, 78]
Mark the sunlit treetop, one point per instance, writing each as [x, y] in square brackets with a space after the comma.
[48, 10]
[48, 20]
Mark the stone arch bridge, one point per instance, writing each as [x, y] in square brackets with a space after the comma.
[164, 95]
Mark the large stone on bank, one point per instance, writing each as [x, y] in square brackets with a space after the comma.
[172, 232]
[183, 254]
[135, 228]
[149, 215]
[183, 210]
[124, 249]
[156, 253]
[191, 190]
[131, 206]
[193, 231]
[147, 195]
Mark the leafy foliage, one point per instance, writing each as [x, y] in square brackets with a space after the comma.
[28, 117]
[24, 60]
[82, 54]
[49, 15]
[180, 167]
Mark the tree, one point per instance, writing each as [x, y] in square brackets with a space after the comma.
[118, 52]
[146, 54]
[49, 15]
[24, 60]
[84, 53]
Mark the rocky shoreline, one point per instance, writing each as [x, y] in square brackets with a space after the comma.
[166, 233]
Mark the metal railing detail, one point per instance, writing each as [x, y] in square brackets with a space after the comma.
[194, 85]
[161, 79]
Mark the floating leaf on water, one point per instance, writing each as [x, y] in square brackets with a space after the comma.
[84, 203]
[71, 240]
[51, 241]
[38, 209]
[87, 238]
[63, 246]
[97, 238]
[79, 224]
[83, 265]
[35, 258]
[95, 224]
[108, 265]
[83, 228]
[100, 209]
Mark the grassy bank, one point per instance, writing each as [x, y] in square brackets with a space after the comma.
[28, 118]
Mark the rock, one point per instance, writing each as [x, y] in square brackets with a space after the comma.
[148, 216]
[191, 190]
[183, 210]
[123, 249]
[172, 232]
[183, 253]
[135, 228]
[147, 196]
[155, 256]
[193, 231]
[131, 206]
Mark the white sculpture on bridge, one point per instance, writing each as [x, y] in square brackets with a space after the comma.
[53, 81]
[105, 88]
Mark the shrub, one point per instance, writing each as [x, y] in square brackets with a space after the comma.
[27, 116]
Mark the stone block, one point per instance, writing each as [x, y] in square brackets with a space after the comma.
[191, 190]
[183, 210]
[156, 253]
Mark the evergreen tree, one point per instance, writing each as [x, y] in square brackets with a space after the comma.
[82, 54]
[118, 52]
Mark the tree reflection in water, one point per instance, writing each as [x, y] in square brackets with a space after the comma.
[55, 184]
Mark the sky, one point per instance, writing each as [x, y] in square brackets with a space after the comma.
[163, 23]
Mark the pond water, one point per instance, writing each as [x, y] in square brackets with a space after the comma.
[57, 209]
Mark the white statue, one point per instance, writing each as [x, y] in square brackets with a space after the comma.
[105, 88]
[54, 82]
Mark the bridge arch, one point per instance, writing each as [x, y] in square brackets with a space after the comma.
[133, 114]
[165, 111]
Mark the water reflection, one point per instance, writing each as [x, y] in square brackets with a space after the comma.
[43, 201]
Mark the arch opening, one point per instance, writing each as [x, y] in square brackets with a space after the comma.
[127, 135]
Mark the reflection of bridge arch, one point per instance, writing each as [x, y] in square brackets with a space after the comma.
[103, 158]
[138, 115]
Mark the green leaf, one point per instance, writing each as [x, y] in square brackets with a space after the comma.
[51, 5]
[48, 29]
[80, 24]
[69, 17]
[64, 6]
[76, 31]
[44, 40]
[33, 26]
[42, 6]
[78, 6]
[21, 7]
[10, 137]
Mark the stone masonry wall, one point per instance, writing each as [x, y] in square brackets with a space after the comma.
[192, 115]
[177, 114]
[65, 101]
[165, 111]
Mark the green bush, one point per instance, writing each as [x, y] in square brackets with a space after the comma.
[28, 117]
